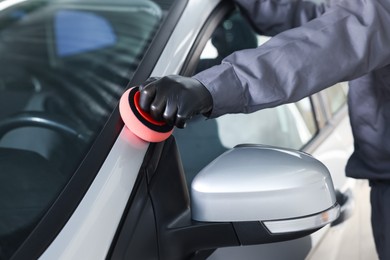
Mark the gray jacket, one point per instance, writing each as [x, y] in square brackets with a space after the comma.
[348, 40]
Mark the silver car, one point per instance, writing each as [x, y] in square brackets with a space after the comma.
[75, 183]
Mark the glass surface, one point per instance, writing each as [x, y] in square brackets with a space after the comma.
[64, 65]
[336, 96]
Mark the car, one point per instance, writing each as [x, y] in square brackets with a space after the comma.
[77, 184]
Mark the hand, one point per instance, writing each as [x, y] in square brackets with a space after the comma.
[175, 99]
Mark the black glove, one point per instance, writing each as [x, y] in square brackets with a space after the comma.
[175, 99]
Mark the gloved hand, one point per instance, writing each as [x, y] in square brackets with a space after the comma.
[175, 99]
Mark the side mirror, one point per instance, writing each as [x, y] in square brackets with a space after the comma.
[249, 195]
[283, 191]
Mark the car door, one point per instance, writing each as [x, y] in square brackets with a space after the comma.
[318, 125]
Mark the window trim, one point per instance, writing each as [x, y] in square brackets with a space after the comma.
[327, 126]
[217, 15]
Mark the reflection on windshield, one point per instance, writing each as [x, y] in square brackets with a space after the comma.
[64, 66]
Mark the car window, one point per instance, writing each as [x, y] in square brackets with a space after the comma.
[336, 97]
[64, 65]
[292, 125]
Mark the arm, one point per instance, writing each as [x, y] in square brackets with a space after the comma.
[270, 17]
[349, 40]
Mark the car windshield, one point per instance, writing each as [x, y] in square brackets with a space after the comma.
[64, 65]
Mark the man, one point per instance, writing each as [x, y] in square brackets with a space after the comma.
[348, 40]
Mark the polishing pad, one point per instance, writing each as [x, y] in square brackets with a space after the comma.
[140, 122]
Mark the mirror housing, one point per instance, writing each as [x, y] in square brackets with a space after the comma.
[283, 189]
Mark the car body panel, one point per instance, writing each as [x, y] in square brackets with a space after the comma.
[92, 228]
[183, 37]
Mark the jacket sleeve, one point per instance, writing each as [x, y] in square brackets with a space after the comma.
[347, 41]
[270, 17]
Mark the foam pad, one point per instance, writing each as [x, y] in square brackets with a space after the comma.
[138, 121]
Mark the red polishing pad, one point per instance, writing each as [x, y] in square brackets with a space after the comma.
[140, 122]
